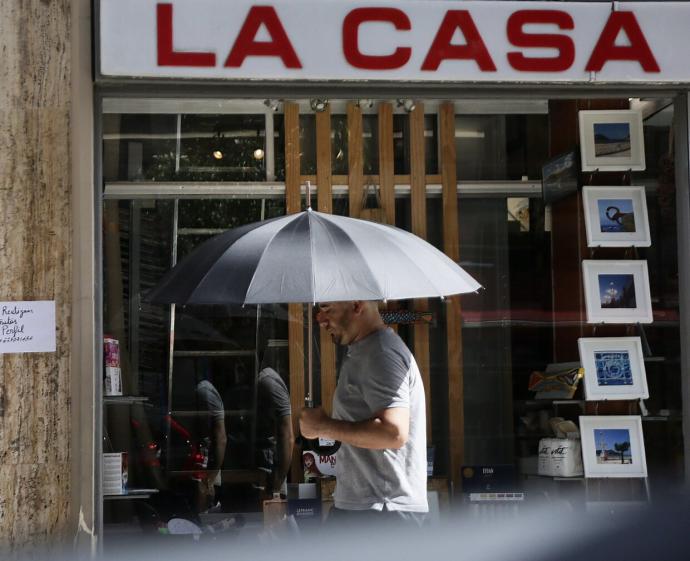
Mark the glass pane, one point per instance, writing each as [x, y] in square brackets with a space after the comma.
[195, 411]
[307, 144]
[500, 147]
[370, 141]
[339, 147]
[141, 147]
[222, 147]
[401, 144]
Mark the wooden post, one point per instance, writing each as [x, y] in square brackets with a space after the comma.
[418, 205]
[386, 162]
[325, 204]
[355, 149]
[293, 200]
[451, 246]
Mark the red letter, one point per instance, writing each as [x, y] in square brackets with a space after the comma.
[351, 38]
[166, 55]
[279, 46]
[606, 48]
[519, 38]
[442, 49]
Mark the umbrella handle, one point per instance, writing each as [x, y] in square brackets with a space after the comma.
[321, 446]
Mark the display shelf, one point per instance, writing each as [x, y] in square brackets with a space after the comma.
[132, 494]
[228, 413]
[125, 399]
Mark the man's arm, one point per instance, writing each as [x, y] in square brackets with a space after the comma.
[220, 440]
[285, 440]
[389, 428]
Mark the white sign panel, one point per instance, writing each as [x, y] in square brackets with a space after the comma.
[425, 41]
[27, 327]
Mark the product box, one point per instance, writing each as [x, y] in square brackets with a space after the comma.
[113, 381]
[115, 473]
[113, 375]
[560, 457]
[317, 465]
[304, 504]
[111, 351]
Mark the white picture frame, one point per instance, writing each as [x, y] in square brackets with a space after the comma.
[611, 140]
[614, 368]
[604, 453]
[616, 216]
[617, 291]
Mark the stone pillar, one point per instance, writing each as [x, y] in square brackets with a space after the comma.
[36, 264]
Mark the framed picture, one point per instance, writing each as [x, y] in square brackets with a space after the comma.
[617, 291]
[613, 446]
[616, 216]
[614, 368]
[611, 140]
[559, 177]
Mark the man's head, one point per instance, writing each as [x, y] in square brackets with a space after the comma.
[347, 322]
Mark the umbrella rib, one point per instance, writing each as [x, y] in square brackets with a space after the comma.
[207, 273]
[354, 245]
[263, 251]
[393, 240]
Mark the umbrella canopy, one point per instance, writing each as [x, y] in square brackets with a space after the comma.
[311, 257]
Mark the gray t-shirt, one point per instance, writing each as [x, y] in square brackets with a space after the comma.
[379, 372]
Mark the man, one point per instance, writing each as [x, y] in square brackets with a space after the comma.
[212, 441]
[378, 415]
[275, 437]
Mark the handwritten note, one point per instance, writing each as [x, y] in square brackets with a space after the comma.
[27, 327]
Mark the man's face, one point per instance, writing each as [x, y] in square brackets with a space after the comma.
[336, 318]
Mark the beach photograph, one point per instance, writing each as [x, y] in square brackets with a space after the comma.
[613, 446]
[612, 140]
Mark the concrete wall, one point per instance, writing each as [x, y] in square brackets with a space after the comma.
[36, 449]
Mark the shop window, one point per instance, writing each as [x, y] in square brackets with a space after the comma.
[401, 144]
[184, 147]
[509, 329]
[500, 147]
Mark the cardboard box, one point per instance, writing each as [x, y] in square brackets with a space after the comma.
[114, 473]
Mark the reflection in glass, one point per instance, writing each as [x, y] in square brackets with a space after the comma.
[401, 144]
[184, 147]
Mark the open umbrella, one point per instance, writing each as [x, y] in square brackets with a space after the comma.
[311, 257]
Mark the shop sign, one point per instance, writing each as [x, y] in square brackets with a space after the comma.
[391, 41]
[27, 327]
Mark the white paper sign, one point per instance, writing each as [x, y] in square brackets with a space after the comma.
[27, 327]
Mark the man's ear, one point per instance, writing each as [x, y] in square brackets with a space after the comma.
[357, 306]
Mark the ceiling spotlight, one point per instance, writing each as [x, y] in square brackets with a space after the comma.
[318, 105]
[407, 104]
[217, 154]
[258, 154]
[272, 104]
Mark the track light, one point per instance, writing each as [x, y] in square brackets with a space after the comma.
[272, 104]
[318, 105]
[407, 104]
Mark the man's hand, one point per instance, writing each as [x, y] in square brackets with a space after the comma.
[313, 422]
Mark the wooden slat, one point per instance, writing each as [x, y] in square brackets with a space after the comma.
[295, 311]
[325, 204]
[386, 161]
[451, 246]
[418, 205]
[355, 158]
